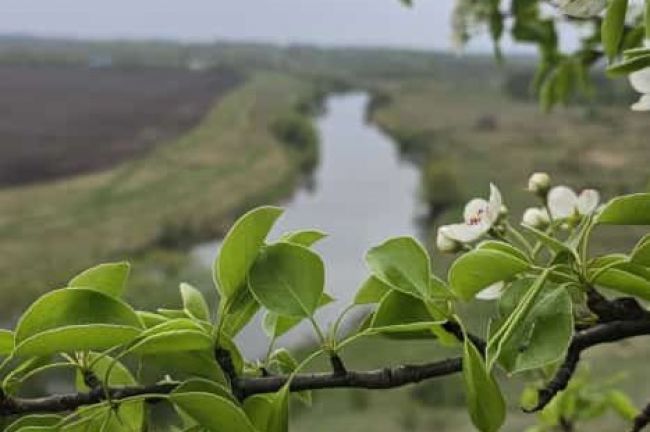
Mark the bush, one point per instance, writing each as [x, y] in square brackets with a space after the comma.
[300, 137]
[439, 186]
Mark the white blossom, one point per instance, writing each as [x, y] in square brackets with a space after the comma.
[479, 217]
[536, 217]
[446, 244]
[539, 183]
[563, 202]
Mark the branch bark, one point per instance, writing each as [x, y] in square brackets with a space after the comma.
[600, 334]
[386, 378]
[642, 420]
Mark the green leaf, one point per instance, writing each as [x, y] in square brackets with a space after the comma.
[215, 413]
[627, 278]
[403, 314]
[109, 278]
[502, 246]
[269, 413]
[240, 248]
[13, 380]
[628, 66]
[481, 268]
[36, 421]
[550, 242]
[641, 252]
[200, 385]
[75, 320]
[279, 419]
[288, 279]
[622, 405]
[259, 409]
[543, 336]
[304, 237]
[187, 364]
[194, 303]
[129, 416]
[284, 363]
[150, 319]
[172, 336]
[403, 264]
[88, 418]
[485, 402]
[275, 325]
[173, 313]
[6, 342]
[284, 360]
[613, 26]
[225, 342]
[372, 291]
[627, 210]
[507, 330]
[241, 310]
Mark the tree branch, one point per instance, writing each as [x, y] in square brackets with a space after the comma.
[377, 379]
[386, 378]
[642, 420]
[602, 333]
[618, 309]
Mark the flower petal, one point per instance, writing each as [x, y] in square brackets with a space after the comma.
[492, 292]
[476, 208]
[562, 202]
[464, 233]
[496, 201]
[640, 80]
[588, 201]
[444, 242]
[536, 217]
[643, 104]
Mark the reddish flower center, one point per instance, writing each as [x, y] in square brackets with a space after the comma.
[476, 219]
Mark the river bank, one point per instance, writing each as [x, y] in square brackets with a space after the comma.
[183, 191]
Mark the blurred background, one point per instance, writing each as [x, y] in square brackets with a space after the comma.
[140, 130]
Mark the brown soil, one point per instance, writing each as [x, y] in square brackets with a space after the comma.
[57, 121]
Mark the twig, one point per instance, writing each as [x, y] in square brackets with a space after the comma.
[642, 420]
[386, 378]
[602, 333]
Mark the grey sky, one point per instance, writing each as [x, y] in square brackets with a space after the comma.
[325, 22]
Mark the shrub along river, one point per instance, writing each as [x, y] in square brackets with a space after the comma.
[361, 194]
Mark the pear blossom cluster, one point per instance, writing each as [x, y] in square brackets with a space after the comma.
[486, 218]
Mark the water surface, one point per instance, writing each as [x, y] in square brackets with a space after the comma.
[363, 194]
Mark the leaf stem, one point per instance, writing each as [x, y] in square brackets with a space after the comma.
[337, 325]
[520, 238]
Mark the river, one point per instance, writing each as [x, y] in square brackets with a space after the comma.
[363, 193]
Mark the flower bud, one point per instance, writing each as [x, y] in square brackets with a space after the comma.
[536, 218]
[445, 244]
[539, 183]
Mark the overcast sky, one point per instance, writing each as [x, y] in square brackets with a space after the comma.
[324, 22]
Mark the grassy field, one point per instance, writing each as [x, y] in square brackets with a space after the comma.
[185, 189]
[478, 134]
